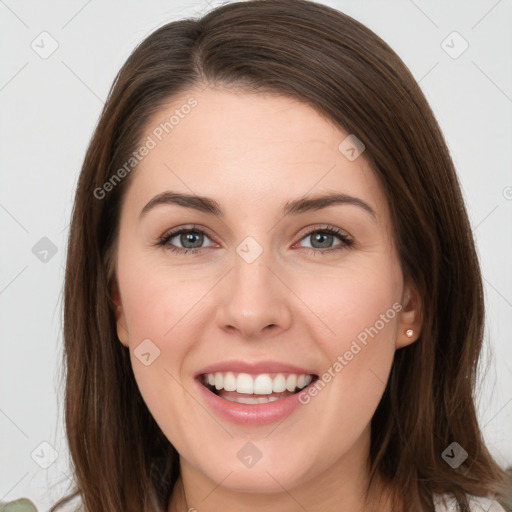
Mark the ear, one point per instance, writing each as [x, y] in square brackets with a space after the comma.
[411, 318]
[122, 329]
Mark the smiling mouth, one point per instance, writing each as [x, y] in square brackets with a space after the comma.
[245, 388]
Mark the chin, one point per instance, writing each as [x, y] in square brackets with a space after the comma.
[264, 477]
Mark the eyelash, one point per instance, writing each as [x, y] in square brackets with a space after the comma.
[163, 241]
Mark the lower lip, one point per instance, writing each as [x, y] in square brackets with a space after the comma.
[251, 414]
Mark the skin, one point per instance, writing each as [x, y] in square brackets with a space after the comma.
[252, 153]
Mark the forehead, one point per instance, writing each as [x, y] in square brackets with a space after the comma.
[248, 149]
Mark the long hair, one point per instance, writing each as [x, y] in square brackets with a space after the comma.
[121, 460]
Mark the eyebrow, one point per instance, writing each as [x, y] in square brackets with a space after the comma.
[297, 206]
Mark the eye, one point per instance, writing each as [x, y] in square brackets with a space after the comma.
[323, 238]
[191, 239]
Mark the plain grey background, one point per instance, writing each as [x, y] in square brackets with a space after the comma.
[57, 63]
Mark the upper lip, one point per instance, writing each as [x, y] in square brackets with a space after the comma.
[256, 368]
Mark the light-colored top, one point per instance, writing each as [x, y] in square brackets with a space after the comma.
[476, 504]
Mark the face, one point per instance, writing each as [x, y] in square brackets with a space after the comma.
[258, 285]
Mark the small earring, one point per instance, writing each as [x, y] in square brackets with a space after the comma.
[409, 333]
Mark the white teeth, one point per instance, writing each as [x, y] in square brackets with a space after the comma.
[230, 382]
[262, 384]
[244, 383]
[250, 400]
[291, 382]
[279, 384]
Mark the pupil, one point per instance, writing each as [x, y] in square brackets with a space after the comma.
[189, 237]
[319, 236]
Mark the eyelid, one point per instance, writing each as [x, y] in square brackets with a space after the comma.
[324, 227]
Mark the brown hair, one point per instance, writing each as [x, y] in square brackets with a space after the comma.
[121, 459]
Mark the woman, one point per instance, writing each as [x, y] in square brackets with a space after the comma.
[272, 294]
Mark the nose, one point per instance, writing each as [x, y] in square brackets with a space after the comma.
[255, 303]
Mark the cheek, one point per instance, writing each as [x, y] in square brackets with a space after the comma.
[158, 300]
[350, 300]
[358, 310]
[158, 306]
[159, 311]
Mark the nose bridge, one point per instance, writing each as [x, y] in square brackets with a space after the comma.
[253, 297]
[252, 280]
[251, 269]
